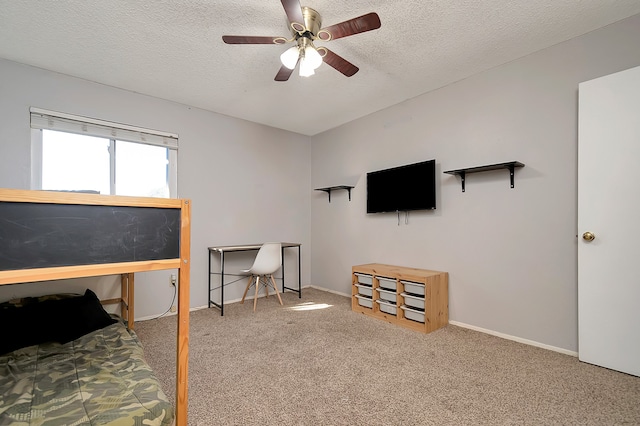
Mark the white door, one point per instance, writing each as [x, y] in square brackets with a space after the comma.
[609, 208]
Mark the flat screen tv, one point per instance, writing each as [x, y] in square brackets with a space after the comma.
[404, 188]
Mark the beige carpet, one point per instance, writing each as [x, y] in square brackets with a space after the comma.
[315, 362]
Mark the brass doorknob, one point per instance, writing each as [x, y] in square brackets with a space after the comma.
[588, 236]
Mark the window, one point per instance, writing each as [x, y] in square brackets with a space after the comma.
[141, 170]
[79, 154]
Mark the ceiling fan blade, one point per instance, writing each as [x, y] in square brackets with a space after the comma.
[283, 74]
[230, 39]
[293, 9]
[361, 24]
[339, 63]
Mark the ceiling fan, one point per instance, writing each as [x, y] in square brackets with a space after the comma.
[306, 27]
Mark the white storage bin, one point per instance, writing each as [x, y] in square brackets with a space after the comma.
[365, 301]
[386, 307]
[365, 290]
[387, 295]
[413, 301]
[388, 283]
[364, 279]
[413, 314]
[413, 288]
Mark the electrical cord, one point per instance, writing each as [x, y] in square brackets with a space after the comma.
[175, 292]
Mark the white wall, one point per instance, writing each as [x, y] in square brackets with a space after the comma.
[511, 254]
[248, 183]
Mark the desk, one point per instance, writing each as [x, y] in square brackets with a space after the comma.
[246, 247]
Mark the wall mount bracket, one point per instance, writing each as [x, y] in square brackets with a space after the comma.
[511, 166]
[328, 190]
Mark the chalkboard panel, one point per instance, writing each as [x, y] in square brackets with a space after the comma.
[40, 235]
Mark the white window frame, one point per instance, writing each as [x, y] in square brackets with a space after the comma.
[42, 119]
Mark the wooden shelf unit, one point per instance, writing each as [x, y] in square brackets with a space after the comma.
[436, 294]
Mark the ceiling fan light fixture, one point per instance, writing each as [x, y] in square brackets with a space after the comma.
[306, 68]
[290, 57]
[312, 56]
[305, 25]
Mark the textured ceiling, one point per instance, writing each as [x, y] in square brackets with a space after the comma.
[173, 49]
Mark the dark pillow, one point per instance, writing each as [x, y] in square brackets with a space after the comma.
[78, 316]
[50, 320]
[18, 327]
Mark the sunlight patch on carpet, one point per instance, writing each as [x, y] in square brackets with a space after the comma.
[310, 306]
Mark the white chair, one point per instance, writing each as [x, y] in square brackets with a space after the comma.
[267, 262]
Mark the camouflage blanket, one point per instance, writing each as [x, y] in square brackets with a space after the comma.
[99, 379]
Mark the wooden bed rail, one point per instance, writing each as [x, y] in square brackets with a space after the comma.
[125, 300]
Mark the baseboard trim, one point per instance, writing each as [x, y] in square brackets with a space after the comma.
[169, 314]
[228, 302]
[260, 296]
[482, 330]
[515, 339]
[329, 291]
[456, 323]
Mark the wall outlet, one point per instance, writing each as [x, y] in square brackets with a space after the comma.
[173, 308]
[173, 280]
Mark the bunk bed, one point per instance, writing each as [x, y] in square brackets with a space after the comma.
[47, 236]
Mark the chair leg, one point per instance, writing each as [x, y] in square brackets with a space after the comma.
[275, 287]
[255, 296]
[266, 288]
[247, 288]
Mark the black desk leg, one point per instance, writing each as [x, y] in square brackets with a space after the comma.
[299, 268]
[211, 302]
[299, 290]
[282, 266]
[222, 283]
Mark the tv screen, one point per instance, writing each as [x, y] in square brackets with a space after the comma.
[404, 188]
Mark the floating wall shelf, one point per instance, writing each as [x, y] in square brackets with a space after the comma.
[511, 166]
[334, 188]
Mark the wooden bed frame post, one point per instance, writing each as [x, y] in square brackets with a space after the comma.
[183, 316]
[124, 300]
[127, 295]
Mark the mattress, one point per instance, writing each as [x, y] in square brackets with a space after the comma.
[99, 378]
